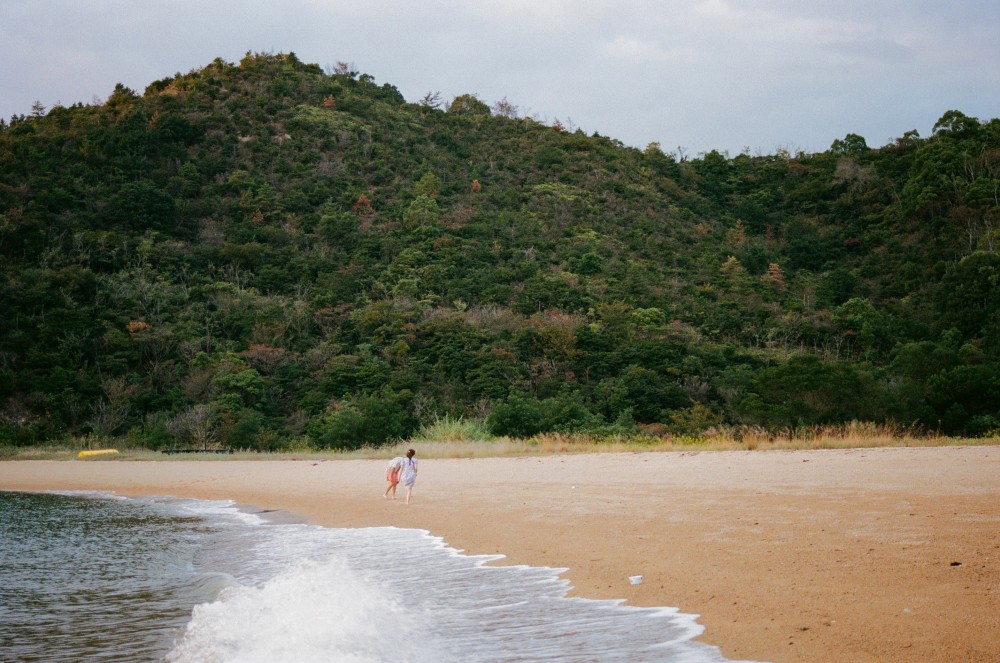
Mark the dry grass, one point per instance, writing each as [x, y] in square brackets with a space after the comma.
[853, 435]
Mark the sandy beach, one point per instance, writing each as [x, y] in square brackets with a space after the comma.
[842, 555]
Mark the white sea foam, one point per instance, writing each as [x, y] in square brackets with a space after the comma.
[218, 508]
[305, 593]
[311, 612]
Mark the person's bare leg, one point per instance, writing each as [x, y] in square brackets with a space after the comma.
[408, 491]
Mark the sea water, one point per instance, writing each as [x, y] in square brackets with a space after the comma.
[93, 577]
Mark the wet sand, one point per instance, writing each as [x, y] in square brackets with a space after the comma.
[844, 555]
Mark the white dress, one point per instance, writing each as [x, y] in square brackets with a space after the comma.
[409, 472]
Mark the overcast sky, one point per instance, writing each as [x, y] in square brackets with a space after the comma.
[693, 74]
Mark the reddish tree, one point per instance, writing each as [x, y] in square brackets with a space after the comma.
[775, 278]
[136, 326]
[264, 358]
[363, 206]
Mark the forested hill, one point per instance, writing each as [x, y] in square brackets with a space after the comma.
[262, 254]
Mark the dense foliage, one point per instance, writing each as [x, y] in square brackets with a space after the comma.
[263, 253]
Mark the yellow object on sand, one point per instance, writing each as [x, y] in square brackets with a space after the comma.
[97, 452]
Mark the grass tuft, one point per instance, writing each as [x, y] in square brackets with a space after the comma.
[453, 429]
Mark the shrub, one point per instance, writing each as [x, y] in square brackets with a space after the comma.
[370, 419]
[567, 413]
[516, 416]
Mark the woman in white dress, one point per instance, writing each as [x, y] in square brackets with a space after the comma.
[409, 473]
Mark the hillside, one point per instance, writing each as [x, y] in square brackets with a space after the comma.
[258, 254]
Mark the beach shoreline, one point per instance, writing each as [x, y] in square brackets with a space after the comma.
[887, 554]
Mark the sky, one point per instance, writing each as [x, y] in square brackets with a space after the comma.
[753, 76]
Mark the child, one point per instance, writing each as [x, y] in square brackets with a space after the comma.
[392, 471]
[409, 472]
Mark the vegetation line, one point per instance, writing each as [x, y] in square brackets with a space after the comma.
[854, 435]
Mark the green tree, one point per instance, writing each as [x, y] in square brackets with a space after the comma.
[805, 390]
[142, 206]
[468, 104]
[851, 144]
[516, 416]
[866, 326]
[957, 124]
[968, 296]
[422, 212]
[428, 185]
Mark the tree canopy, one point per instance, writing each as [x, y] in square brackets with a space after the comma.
[261, 254]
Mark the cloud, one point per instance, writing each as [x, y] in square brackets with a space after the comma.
[636, 50]
[717, 9]
[868, 50]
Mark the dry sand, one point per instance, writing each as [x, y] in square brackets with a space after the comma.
[845, 555]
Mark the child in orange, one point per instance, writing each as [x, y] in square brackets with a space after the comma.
[392, 471]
